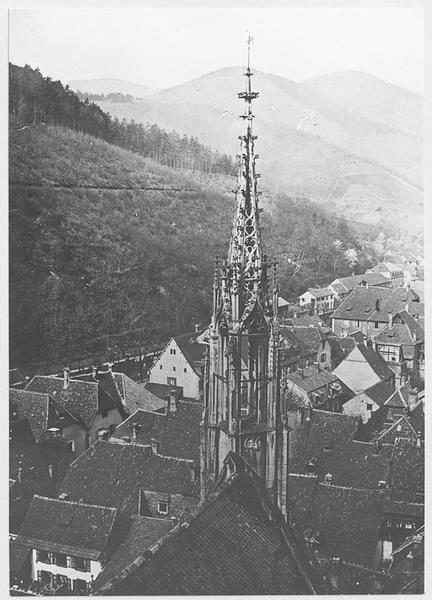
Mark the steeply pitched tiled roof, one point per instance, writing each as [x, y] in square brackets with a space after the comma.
[362, 303]
[293, 348]
[345, 521]
[312, 379]
[111, 474]
[380, 392]
[142, 533]
[329, 439]
[192, 350]
[41, 411]
[350, 282]
[375, 361]
[178, 433]
[319, 292]
[81, 398]
[407, 474]
[69, 527]
[236, 542]
[311, 336]
[18, 556]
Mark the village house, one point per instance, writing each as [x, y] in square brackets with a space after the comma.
[87, 401]
[394, 272]
[342, 286]
[326, 346]
[69, 543]
[367, 309]
[175, 433]
[368, 401]
[339, 484]
[320, 300]
[316, 386]
[180, 364]
[294, 353]
[47, 418]
[134, 478]
[201, 556]
[362, 368]
[401, 344]
[406, 570]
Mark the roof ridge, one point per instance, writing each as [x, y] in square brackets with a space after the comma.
[75, 502]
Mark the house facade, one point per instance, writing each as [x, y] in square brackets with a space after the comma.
[180, 364]
[69, 544]
[321, 300]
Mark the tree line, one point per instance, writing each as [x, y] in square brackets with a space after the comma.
[34, 99]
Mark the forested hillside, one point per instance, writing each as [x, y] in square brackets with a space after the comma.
[123, 244]
[34, 99]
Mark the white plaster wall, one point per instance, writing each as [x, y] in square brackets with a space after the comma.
[72, 574]
[174, 365]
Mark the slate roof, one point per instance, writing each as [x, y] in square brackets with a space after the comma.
[293, 348]
[235, 542]
[41, 411]
[380, 393]
[312, 379]
[407, 473]
[400, 334]
[61, 526]
[192, 350]
[18, 556]
[329, 439]
[178, 433]
[107, 381]
[319, 292]
[142, 533]
[111, 474]
[350, 282]
[361, 304]
[344, 520]
[311, 336]
[82, 399]
[417, 419]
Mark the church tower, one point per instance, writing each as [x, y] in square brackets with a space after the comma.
[241, 391]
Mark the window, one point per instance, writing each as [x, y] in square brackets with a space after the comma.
[174, 368]
[71, 445]
[171, 381]
[43, 556]
[172, 350]
[368, 406]
[185, 370]
[376, 324]
[323, 357]
[60, 560]
[160, 367]
[80, 564]
[357, 323]
[63, 580]
[162, 507]
[44, 577]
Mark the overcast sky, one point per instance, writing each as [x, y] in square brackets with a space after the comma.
[162, 47]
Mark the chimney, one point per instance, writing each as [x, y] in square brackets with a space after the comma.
[66, 378]
[110, 366]
[390, 319]
[135, 428]
[193, 473]
[335, 574]
[317, 366]
[412, 399]
[197, 327]
[155, 447]
[377, 446]
[377, 304]
[328, 478]
[94, 372]
[173, 401]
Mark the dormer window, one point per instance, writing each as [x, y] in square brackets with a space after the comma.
[162, 507]
[172, 350]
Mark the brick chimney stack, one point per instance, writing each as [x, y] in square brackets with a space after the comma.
[94, 372]
[173, 401]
